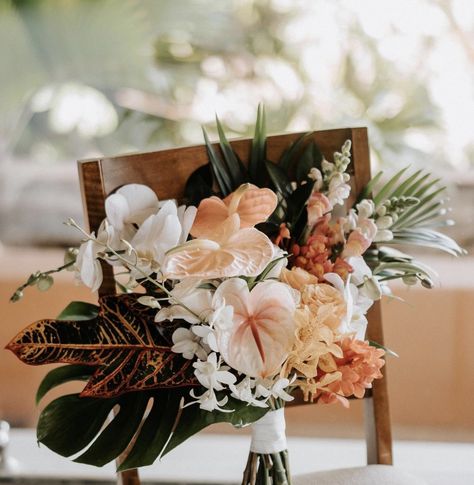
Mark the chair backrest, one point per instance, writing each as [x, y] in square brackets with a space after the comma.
[166, 172]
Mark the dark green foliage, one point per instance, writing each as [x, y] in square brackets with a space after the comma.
[226, 172]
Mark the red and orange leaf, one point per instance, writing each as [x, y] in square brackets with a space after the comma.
[131, 352]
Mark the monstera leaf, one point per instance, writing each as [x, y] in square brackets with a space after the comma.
[130, 351]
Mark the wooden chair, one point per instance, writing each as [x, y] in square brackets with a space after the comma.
[166, 172]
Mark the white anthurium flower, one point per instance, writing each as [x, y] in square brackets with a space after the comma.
[208, 401]
[211, 374]
[244, 391]
[188, 343]
[188, 302]
[131, 204]
[356, 304]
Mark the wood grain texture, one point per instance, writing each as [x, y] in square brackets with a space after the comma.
[166, 172]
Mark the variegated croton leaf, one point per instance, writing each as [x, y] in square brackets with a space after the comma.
[131, 352]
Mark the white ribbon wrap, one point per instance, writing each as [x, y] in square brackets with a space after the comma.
[268, 433]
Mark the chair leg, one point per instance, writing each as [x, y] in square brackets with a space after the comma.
[377, 412]
[128, 477]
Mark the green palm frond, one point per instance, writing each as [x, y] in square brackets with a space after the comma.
[416, 204]
[226, 172]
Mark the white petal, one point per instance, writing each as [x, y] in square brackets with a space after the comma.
[141, 200]
[117, 210]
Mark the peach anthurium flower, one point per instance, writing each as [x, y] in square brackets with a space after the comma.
[233, 252]
[253, 205]
[262, 331]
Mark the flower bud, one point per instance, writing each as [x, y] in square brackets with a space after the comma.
[149, 301]
[426, 282]
[17, 296]
[70, 256]
[45, 282]
[365, 208]
[381, 211]
[384, 222]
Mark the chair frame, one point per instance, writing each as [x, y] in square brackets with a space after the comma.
[166, 172]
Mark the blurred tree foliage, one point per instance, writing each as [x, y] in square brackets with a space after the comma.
[86, 77]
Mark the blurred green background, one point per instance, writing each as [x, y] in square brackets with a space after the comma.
[83, 78]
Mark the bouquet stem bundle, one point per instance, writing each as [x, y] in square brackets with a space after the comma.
[267, 469]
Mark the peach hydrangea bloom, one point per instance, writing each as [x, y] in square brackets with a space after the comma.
[326, 303]
[314, 345]
[297, 278]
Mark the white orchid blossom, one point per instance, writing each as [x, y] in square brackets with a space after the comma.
[159, 233]
[87, 266]
[131, 204]
[187, 302]
[245, 391]
[268, 388]
[211, 374]
[188, 343]
[208, 401]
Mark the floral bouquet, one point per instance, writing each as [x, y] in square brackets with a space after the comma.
[254, 292]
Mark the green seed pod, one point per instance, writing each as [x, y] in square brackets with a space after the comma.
[17, 296]
[45, 282]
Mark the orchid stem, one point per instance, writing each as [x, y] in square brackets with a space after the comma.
[73, 223]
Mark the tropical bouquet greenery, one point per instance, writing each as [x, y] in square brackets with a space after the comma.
[257, 289]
